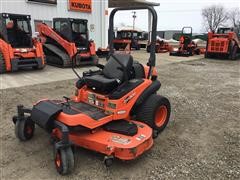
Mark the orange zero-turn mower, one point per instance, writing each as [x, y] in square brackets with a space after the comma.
[187, 47]
[161, 46]
[115, 110]
[18, 50]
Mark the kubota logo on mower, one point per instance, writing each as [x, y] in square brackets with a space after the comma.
[120, 140]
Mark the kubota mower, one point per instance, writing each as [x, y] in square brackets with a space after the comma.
[225, 43]
[68, 37]
[161, 46]
[17, 48]
[187, 47]
[116, 110]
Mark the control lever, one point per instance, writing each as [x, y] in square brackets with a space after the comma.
[67, 99]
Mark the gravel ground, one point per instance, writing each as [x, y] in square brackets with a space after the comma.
[202, 140]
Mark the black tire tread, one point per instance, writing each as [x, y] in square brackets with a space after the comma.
[20, 128]
[67, 158]
[146, 112]
[2, 64]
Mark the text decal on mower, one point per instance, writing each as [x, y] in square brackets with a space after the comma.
[80, 5]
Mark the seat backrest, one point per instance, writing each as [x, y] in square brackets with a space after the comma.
[111, 69]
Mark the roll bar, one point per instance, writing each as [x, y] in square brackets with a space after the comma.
[152, 59]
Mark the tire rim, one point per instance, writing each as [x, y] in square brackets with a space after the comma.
[58, 160]
[29, 130]
[161, 116]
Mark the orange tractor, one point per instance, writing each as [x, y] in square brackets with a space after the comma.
[127, 38]
[116, 110]
[18, 50]
[68, 37]
[187, 47]
[224, 43]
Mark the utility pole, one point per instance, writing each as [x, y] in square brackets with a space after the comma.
[134, 18]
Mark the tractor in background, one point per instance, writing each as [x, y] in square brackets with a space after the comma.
[18, 50]
[225, 43]
[67, 37]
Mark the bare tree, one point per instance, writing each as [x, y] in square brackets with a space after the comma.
[234, 18]
[214, 16]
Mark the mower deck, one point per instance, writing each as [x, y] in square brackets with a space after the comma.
[124, 139]
[124, 147]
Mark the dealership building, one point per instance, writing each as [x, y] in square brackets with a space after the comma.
[95, 11]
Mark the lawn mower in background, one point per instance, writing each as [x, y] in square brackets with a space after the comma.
[68, 37]
[161, 46]
[18, 50]
[187, 47]
[102, 52]
[116, 110]
[225, 43]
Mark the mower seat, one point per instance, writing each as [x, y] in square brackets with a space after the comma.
[112, 74]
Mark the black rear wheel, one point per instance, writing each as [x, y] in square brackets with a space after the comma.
[234, 52]
[2, 64]
[155, 112]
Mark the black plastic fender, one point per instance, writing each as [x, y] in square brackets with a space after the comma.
[44, 114]
[153, 88]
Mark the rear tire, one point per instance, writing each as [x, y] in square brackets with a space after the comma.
[206, 55]
[64, 160]
[2, 64]
[234, 52]
[155, 112]
[24, 129]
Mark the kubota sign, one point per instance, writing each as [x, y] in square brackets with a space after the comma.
[80, 5]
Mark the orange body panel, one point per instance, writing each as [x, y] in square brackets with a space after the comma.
[44, 30]
[219, 43]
[109, 143]
[121, 111]
[92, 48]
[146, 70]
[7, 52]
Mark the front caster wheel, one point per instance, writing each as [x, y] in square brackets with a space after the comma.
[64, 160]
[108, 161]
[24, 129]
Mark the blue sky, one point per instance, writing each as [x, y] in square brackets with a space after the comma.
[174, 14]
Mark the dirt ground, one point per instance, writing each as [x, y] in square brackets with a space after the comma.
[202, 140]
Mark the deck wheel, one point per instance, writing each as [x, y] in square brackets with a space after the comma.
[108, 161]
[24, 129]
[64, 160]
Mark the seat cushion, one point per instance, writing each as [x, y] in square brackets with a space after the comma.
[111, 69]
[99, 83]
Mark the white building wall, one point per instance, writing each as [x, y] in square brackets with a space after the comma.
[40, 11]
